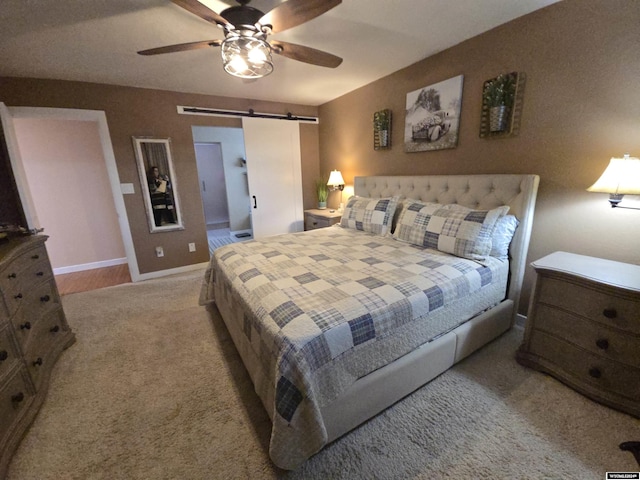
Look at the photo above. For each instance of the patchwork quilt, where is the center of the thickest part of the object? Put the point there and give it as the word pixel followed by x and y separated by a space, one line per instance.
pixel 312 312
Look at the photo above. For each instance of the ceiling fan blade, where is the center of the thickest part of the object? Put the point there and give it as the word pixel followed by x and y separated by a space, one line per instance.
pixel 197 8
pixel 181 47
pixel 295 12
pixel 305 54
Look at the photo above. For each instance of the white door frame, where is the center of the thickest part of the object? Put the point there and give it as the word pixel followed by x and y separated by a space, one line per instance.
pixel 100 118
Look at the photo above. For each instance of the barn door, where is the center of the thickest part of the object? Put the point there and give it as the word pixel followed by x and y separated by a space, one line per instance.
pixel 274 174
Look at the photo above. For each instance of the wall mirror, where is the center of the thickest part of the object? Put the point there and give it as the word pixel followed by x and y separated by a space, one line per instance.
pixel 159 183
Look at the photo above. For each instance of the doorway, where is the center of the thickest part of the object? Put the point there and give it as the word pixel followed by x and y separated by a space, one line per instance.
pixel 220 157
pixel 111 203
pixel 213 189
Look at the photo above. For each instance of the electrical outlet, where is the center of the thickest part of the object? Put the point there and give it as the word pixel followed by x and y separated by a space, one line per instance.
pixel 192 247
pixel 159 252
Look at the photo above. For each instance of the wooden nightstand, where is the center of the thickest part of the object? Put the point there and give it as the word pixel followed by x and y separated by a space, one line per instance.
pixel 316 218
pixel 583 327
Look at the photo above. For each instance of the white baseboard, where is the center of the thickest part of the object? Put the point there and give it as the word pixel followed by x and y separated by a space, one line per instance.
pixel 89 266
pixel 171 271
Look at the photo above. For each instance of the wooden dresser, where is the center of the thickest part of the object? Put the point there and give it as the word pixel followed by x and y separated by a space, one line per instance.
pixel 33 333
pixel 583 327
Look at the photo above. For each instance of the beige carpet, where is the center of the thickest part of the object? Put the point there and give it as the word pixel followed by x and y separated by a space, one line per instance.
pixel 153 389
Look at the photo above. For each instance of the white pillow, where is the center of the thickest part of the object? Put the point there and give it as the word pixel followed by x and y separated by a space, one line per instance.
pixel 502 235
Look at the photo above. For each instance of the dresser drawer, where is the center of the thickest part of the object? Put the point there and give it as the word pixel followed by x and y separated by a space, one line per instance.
pixel 8 356
pixel 15 398
pixel 586 368
pixel 600 306
pixel 22 273
pixel 44 344
pixel 37 303
pixel 314 222
pixel 592 336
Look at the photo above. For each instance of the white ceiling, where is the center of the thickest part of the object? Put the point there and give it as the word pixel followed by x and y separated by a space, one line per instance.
pixel 97 41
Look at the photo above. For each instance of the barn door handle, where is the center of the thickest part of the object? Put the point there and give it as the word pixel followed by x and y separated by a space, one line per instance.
pixel 255 202
pixel 204 188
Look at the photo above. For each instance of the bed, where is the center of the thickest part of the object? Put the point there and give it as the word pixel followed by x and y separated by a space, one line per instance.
pixel 336 324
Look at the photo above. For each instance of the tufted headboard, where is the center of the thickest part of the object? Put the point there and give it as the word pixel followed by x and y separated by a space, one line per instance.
pixel 482 192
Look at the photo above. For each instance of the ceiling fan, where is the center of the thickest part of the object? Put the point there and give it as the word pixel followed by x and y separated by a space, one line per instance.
pixel 245 50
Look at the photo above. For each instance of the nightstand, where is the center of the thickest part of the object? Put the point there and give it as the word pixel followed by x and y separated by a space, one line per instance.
pixel 583 327
pixel 316 218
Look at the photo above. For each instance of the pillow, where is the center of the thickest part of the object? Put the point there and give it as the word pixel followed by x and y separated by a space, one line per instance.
pixel 502 235
pixel 373 215
pixel 457 230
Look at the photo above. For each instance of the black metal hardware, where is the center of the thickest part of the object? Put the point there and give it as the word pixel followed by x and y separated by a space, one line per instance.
pixel 610 312
pixel 18 296
pixel 602 343
pixel 255 201
pixel 18 397
pixel 35 257
pixel 12 275
pixel 46 298
pixel 595 372
pixel 3 355
pixel 37 362
pixel 39 274
pixel 25 326
pixel 54 329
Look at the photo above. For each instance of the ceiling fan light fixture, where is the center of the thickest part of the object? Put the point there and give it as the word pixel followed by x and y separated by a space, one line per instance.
pixel 246 56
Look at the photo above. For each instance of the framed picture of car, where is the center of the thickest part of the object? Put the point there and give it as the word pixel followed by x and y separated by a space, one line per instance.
pixel 432 116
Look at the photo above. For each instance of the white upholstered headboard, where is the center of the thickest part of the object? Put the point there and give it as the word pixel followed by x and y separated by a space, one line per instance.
pixel 474 191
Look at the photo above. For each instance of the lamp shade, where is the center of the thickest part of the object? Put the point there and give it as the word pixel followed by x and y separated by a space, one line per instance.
pixel 621 177
pixel 335 179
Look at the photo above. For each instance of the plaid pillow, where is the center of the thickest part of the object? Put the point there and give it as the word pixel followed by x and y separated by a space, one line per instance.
pixel 373 215
pixel 460 231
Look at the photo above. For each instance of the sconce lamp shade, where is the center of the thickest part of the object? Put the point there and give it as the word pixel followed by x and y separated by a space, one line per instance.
pixel 621 177
pixel 336 180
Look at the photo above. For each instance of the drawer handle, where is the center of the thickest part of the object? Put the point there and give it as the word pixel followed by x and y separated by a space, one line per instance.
pixel 595 372
pixel 3 355
pixel 610 312
pixel 37 362
pixel 35 257
pixel 39 274
pixel 46 298
pixel 18 296
pixel 25 326
pixel 12 275
pixel 54 329
pixel 18 397
pixel 602 343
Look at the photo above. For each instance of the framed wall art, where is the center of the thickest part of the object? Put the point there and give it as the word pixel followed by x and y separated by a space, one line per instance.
pixel 382 129
pixel 502 99
pixel 432 118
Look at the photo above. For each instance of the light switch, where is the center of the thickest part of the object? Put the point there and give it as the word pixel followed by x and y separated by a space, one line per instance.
pixel 127 188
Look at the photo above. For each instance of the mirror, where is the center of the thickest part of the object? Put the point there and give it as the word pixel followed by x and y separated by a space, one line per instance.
pixel 158 182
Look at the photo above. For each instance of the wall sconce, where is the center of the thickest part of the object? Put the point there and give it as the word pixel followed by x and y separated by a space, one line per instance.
pixel 336 182
pixel 620 178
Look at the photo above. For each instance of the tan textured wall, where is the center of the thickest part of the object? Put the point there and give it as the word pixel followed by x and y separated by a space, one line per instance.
pixel 581 107
pixel 144 112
